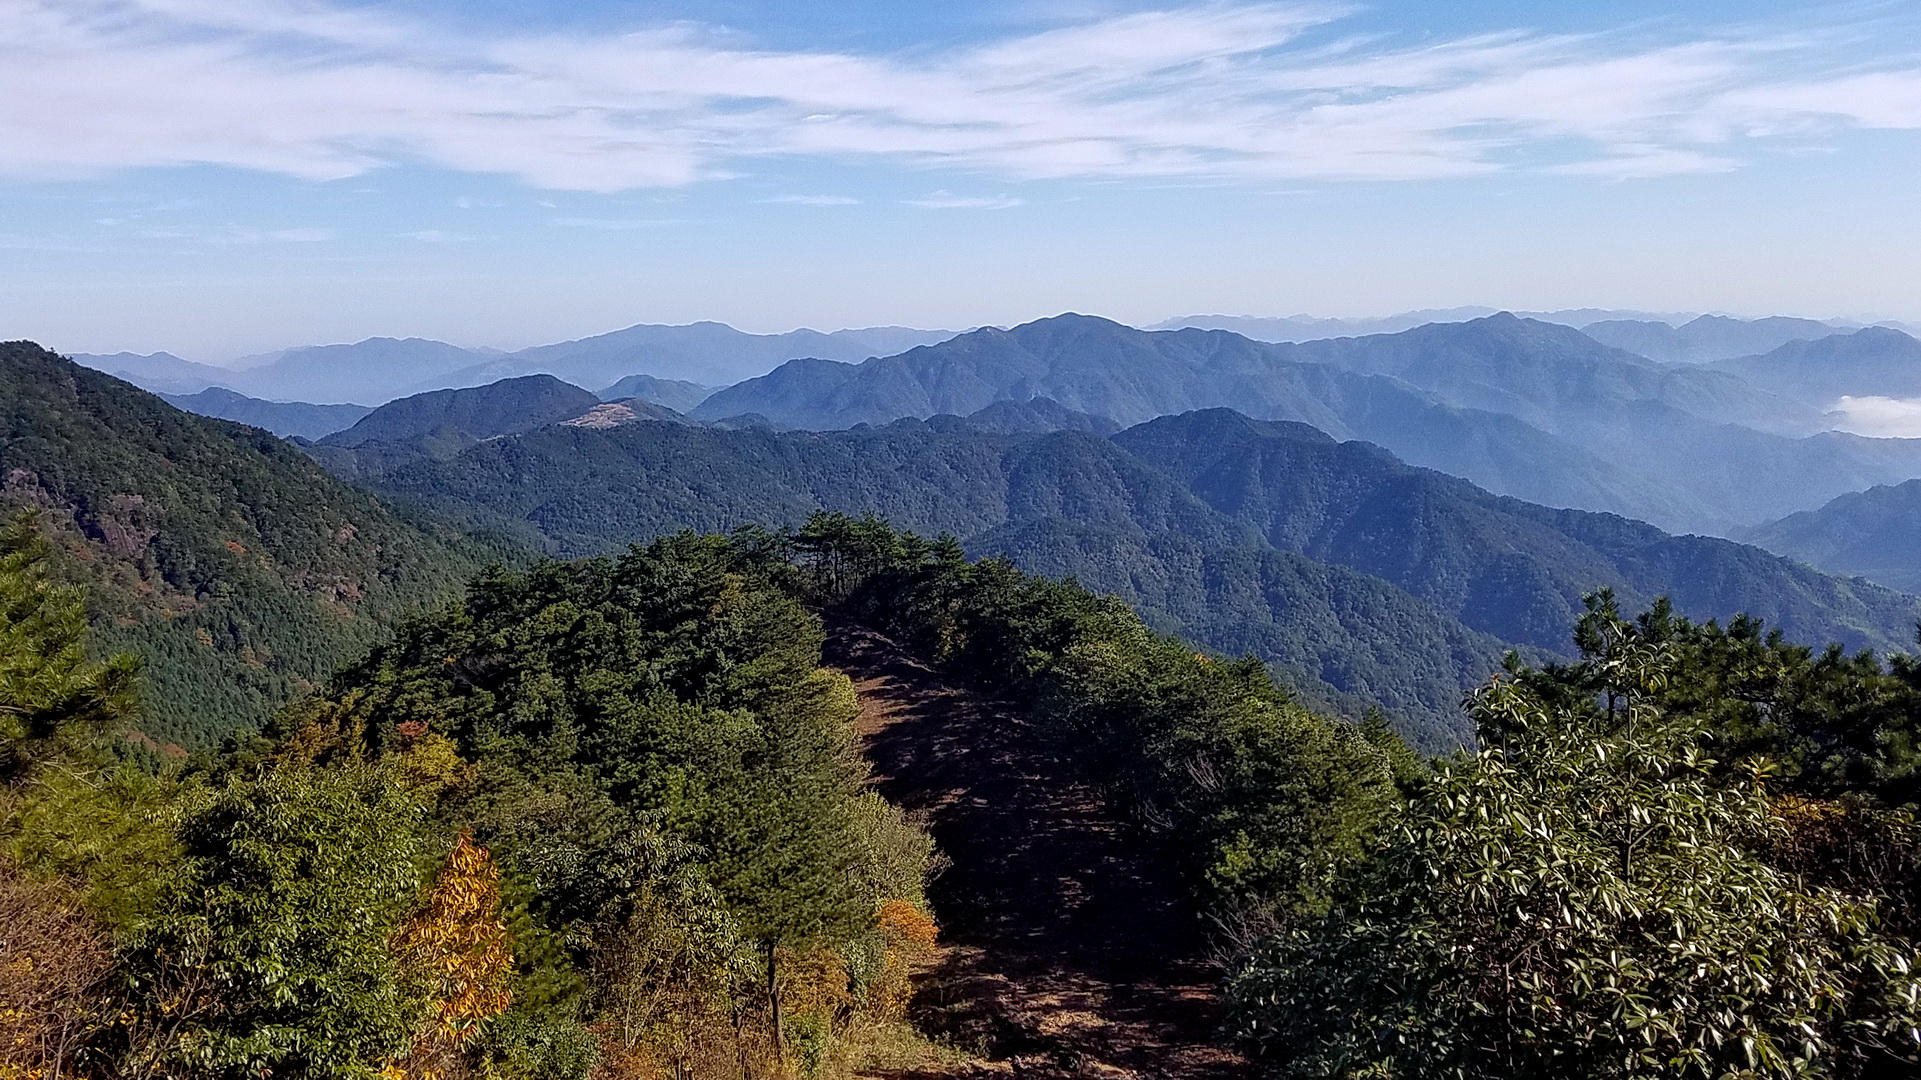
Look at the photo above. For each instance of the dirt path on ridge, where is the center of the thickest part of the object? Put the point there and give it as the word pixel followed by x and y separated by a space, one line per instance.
pixel 1068 948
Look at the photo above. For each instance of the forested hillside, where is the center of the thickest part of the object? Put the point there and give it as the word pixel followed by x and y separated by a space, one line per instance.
pixel 1874 533
pixel 1411 585
pixel 602 819
pixel 234 568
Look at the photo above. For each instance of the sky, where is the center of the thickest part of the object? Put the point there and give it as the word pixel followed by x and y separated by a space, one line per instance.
pixel 222 177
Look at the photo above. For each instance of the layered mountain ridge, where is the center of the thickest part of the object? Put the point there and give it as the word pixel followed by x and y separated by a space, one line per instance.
pixel 1525 408
pixel 1366 578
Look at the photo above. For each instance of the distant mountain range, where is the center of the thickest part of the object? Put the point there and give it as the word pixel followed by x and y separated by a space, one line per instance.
pixel 1707 338
pixel 280 417
pixel 1297 328
pixel 1368 580
pixel 378 370
pixel 160 373
pixel 1875 361
pixel 1525 408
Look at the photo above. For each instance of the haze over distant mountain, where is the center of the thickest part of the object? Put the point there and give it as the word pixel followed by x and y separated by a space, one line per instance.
pixel 708 353
pixel 1297 328
pixel 1536 371
pixel 280 417
pixel 677 394
pixel 158 372
pixel 1708 338
pixel 1500 565
pixel 1874 533
pixel 366 372
pixel 1530 409
pixel 1874 361
pixel 378 370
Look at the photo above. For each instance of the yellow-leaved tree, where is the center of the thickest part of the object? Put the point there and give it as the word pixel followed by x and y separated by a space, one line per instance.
pixel 456 950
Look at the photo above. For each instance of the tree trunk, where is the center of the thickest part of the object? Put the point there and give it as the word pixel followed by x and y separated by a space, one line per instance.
pixel 773 1007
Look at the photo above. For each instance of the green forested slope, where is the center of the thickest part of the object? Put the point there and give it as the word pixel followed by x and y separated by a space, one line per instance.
pixel 1065 503
pixel 236 569
pixel 1500 565
pixel 1366 579
pixel 1874 533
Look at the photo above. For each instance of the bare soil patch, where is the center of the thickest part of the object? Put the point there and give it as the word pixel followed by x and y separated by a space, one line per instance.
pixel 1069 948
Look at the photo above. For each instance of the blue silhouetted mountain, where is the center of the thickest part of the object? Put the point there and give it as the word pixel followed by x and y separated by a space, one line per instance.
pixel 1706 339
pixel 709 353
pixel 368 372
pixel 156 372
pixel 280 417
pixel 1872 362
pixel 1530 409
pixel 678 395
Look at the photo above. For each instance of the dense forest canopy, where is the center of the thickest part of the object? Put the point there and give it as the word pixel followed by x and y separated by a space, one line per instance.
pixel 609 818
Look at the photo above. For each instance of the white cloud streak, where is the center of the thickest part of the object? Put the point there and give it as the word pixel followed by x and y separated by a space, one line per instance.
pixel 1220 90
pixel 943 200
pixel 813 200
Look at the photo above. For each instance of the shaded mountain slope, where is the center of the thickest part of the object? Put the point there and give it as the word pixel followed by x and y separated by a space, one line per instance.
pixel 237 570
pixel 1069 943
pixel 280 417
pixel 1874 533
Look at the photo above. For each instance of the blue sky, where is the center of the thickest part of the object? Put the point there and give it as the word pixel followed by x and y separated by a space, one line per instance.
pixel 218 177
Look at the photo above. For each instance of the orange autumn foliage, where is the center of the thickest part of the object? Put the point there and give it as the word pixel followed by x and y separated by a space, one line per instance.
pixel 911 942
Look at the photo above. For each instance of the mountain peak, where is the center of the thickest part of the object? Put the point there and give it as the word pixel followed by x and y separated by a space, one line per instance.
pixel 507 407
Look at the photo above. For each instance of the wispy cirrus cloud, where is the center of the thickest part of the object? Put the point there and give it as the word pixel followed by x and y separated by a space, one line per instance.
pixel 942 200
pixel 813 200
pixel 1257 91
